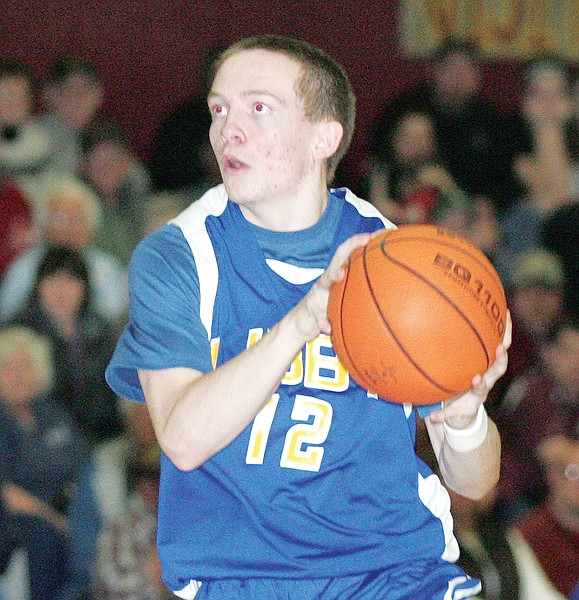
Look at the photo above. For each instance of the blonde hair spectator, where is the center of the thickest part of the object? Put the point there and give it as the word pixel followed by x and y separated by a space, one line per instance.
pixel 74 190
pixel 19 337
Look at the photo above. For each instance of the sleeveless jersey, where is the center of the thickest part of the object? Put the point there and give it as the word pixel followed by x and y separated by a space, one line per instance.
pixel 325 481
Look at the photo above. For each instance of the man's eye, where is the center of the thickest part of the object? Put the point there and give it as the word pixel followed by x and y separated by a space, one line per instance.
pixel 261 108
pixel 219 110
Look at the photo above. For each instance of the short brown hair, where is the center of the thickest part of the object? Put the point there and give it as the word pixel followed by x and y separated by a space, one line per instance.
pixel 323 86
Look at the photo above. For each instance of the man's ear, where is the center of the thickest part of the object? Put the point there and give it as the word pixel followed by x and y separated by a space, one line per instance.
pixel 330 135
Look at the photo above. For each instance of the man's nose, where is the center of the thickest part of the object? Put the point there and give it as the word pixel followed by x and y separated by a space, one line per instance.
pixel 233 130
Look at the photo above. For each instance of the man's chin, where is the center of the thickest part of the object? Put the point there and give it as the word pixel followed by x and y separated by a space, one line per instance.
pixel 239 194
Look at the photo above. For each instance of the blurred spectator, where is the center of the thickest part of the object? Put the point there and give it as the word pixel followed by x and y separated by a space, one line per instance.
pixel 409 182
pixel 122 182
pixel 546 541
pixel 127 566
pixel 539 403
pixel 18 231
pixel 542 155
pixel 82 342
pixel 42 459
pixel 160 208
pixel 470 132
pixel 26 147
pixel 73 219
pixel 181 156
pixel 72 95
pixel 535 296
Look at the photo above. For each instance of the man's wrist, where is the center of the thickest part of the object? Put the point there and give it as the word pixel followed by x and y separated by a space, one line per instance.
pixel 465 440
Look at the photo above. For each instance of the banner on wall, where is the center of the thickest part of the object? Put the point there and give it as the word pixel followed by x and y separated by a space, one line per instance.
pixel 504 29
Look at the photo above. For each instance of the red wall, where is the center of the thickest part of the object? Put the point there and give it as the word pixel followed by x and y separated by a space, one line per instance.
pixel 148 50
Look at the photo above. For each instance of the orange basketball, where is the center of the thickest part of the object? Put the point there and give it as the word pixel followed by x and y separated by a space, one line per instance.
pixel 419 312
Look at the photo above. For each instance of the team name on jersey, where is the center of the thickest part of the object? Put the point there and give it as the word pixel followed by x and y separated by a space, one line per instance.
pixel 316 367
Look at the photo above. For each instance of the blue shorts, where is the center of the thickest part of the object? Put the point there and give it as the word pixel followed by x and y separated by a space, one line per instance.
pixel 427 581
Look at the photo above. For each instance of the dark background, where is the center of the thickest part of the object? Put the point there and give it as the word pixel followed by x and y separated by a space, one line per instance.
pixel 148 51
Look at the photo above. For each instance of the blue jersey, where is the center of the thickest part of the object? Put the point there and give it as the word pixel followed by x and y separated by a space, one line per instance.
pixel 325 481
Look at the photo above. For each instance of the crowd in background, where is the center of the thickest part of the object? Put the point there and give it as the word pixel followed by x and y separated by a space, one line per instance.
pixel 79 467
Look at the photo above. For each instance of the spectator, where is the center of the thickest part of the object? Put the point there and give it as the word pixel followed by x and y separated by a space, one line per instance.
pixel 82 342
pixel 539 403
pixel 536 299
pixel 469 130
pixel 72 95
pixel 26 148
pixel 42 458
pixel 542 159
pixel 410 183
pixel 122 181
pixel 546 541
pixel 559 235
pixel 73 219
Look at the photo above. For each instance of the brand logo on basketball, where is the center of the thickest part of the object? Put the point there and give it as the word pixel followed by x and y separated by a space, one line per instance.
pixel 464 277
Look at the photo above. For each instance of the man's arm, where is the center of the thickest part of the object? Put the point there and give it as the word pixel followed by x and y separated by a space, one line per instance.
pixel 465 441
pixel 196 415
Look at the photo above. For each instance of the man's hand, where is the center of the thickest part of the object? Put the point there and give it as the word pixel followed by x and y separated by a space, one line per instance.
pixel 311 314
pixel 460 412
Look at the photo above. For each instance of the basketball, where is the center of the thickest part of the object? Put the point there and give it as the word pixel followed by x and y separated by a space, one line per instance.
pixel 419 312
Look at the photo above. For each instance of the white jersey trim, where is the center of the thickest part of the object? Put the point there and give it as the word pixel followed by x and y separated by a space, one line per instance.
pixel 435 497
pixel 367 209
pixel 192 223
pixel 189 591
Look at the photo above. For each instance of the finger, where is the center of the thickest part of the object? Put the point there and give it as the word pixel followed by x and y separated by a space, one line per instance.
pixel 508 337
pixel 494 372
pixel 335 270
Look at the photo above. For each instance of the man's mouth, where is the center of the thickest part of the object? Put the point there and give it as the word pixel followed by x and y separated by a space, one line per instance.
pixel 233 165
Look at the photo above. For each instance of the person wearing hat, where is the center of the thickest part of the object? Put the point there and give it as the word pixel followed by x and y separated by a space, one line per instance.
pixel 535 294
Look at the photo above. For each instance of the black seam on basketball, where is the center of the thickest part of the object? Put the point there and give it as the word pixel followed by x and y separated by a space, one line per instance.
pixel 397 341
pixel 438 291
pixel 492 274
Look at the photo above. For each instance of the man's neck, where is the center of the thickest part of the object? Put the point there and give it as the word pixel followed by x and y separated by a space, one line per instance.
pixel 301 211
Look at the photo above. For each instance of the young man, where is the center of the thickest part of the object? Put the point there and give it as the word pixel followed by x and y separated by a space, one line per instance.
pixel 280 477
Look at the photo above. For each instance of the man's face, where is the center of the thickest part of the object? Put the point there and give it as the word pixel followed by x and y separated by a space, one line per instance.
pixel 261 137
pixel 457 79
pixel 15 100
pixel 77 99
pixel 67 223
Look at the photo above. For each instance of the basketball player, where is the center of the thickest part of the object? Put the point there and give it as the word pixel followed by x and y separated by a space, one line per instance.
pixel 281 478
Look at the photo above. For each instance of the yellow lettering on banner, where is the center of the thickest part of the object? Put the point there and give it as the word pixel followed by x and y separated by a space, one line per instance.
pixel 324 371
pixel 503 28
